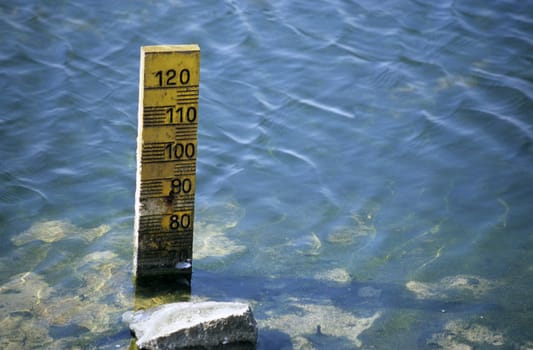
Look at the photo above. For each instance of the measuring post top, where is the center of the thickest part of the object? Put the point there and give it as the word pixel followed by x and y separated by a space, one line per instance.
pixel 171 48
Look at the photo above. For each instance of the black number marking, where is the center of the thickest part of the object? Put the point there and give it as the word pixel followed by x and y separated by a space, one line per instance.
pixel 170 112
pixel 190 115
pixel 159 74
pixel 185 221
pixel 185 75
pixel 179 186
pixel 176 222
pixel 170 75
pixel 178 150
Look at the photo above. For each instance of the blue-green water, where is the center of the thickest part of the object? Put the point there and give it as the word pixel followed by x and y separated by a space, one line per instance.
pixel 365 167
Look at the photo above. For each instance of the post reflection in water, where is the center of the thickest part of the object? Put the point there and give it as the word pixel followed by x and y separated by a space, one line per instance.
pixel 155 291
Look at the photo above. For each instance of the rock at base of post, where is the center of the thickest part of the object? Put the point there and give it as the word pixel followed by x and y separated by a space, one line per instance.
pixel 202 325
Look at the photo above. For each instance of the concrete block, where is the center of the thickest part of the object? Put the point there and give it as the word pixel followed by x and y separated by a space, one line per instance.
pixel 199 325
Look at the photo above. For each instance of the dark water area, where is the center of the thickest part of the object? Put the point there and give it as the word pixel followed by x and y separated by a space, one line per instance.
pixel 364 173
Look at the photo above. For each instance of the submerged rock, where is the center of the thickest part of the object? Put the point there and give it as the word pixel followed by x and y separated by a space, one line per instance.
pixel 308 323
pixel 458 334
pixel 21 298
pixel 451 286
pixel 211 240
pixel 86 302
pixel 22 332
pixel 55 230
pixel 187 325
pixel 336 275
pixel 23 293
pixel 99 297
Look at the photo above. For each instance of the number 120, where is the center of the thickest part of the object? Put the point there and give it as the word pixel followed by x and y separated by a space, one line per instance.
pixel 168 78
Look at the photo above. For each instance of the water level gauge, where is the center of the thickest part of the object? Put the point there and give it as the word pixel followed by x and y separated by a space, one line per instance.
pixel 166 159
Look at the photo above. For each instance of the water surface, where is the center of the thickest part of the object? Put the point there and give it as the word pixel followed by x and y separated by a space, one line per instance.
pixel 364 169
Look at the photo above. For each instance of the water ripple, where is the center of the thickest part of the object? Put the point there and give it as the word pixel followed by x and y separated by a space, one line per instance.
pixel 384 141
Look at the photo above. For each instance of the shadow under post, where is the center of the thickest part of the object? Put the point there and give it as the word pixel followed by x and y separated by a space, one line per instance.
pixel 151 291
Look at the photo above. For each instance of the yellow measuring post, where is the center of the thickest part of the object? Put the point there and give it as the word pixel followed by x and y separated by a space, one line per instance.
pixel 166 159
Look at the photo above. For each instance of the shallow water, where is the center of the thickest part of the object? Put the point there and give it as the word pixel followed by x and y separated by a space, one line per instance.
pixel 364 170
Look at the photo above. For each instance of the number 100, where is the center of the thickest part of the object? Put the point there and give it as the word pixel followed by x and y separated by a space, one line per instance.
pixel 178 150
